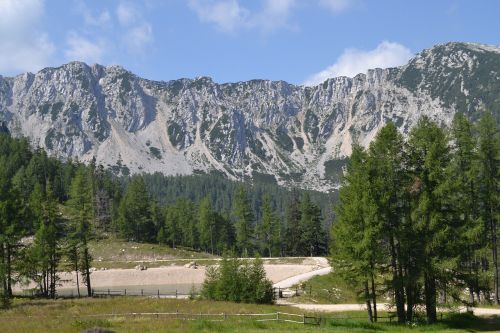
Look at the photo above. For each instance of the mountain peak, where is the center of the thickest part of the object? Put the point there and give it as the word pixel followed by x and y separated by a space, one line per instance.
pixel 258 129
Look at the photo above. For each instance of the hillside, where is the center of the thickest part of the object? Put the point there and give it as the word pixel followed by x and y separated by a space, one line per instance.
pixel 273 130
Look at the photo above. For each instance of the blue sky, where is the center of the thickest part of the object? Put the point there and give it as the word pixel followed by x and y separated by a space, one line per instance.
pixel 299 41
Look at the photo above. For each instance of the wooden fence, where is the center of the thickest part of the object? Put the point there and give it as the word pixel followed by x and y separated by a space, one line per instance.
pixel 261 317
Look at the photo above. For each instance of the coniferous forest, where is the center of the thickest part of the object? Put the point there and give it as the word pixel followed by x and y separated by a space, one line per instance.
pixel 417 217
pixel 51 209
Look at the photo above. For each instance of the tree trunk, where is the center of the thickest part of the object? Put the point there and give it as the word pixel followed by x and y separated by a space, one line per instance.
pixel 396 282
pixel 374 298
pixel 430 298
pixel 87 271
pixel 409 301
pixel 368 304
pixel 495 260
pixel 2 268
pixel 9 270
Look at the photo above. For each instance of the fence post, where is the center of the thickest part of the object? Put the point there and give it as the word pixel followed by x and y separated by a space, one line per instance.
pixel 225 317
pixel 125 291
pixel 296 291
pixel 277 316
pixel 310 290
pixel 175 293
pixel 158 293
pixel 142 292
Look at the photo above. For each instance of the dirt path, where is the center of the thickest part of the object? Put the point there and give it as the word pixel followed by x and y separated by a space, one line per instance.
pixel 287 283
pixel 382 306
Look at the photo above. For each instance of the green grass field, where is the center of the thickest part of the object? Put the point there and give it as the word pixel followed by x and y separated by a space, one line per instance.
pixel 116 253
pixel 79 314
pixel 326 289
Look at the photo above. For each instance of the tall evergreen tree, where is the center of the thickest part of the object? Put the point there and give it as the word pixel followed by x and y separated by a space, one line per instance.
pixel 269 229
pixel 243 213
pixel 429 154
pixel 207 226
pixel 489 148
pixel 462 199
pixel 135 212
pixel 312 236
pixel 82 206
pixel 293 231
pixel 353 245
pixel 387 191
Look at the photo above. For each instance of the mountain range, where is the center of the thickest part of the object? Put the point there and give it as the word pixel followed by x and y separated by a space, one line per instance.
pixel 261 130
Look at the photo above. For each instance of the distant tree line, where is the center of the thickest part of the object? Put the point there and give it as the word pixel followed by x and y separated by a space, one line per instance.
pixel 418 217
pixel 50 210
pixel 199 226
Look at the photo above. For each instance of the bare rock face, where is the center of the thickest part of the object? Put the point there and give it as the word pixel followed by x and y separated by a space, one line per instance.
pixel 267 130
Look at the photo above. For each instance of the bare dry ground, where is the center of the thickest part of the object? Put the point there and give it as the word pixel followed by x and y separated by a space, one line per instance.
pixel 180 277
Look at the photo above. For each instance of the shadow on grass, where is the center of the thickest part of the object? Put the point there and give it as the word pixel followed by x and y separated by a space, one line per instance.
pixel 471 323
pixel 464 321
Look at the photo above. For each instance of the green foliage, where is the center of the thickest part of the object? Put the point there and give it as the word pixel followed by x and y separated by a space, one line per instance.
pixel 135 214
pixel 155 152
pixel 244 222
pixel 176 134
pixel 421 213
pixel 238 281
pixel 200 212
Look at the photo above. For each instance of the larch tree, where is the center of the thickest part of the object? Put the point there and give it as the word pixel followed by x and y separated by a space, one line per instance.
pixel 488 151
pixel 82 207
pixel 243 214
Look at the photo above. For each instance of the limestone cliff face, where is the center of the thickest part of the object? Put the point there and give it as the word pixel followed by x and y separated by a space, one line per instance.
pixel 259 129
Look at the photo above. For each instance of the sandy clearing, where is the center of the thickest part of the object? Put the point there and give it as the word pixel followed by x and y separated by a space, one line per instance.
pixel 173 275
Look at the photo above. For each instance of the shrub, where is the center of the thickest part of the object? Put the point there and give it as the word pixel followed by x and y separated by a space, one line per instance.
pixel 238 281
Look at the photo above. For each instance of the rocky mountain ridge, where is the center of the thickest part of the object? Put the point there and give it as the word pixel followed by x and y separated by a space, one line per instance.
pixel 259 129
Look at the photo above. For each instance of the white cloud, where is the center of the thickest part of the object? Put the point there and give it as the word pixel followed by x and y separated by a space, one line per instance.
pixel 126 14
pixel 83 49
pixel 229 16
pixel 23 47
pixel 138 37
pixel 275 14
pixel 93 19
pixel 336 6
pixel 354 61
pixel 137 32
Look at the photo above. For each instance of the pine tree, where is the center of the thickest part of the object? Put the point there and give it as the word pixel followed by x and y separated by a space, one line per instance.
pixel 353 246
pixel 82 206
pixel 462 198
pixel 488 151
pixel 135 212
pixel 269 229
pixel 244 221
pixel 207 225
pixel 429 154
pixel 387 209
pixel 293 232
pixel 312 237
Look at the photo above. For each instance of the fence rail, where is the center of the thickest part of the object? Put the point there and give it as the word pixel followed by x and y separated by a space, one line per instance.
pixel 261 317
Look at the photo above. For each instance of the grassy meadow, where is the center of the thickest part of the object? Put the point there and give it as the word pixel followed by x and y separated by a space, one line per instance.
pixel 79 314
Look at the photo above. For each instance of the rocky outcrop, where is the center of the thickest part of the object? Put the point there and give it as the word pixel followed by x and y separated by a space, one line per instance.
pixel 270 130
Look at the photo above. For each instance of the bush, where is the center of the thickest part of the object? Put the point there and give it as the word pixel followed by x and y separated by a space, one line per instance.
pixel 238 281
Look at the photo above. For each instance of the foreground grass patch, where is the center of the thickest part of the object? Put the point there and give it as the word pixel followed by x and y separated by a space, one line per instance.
pixel 116 314
pixel 326 289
